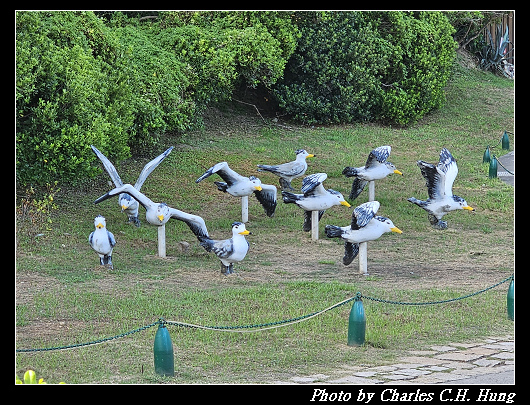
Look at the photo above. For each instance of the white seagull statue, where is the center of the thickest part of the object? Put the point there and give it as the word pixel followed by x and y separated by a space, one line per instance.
pixel 365 226
pixel 102 241
pixel 289 171
pixel 229 251
pixel 376 168
pixel 439 181
pixel 315 198
pixel 130 205
pixel 240 186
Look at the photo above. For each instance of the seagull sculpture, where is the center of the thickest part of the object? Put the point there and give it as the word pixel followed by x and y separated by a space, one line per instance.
pixel 315 198
pixel 130 205
pixel 289 171
pixel 376 168
pixel 439 181
pixel 159 213
pixel 102 241
pixel 365 226
pixel 240 186
pixel 229 251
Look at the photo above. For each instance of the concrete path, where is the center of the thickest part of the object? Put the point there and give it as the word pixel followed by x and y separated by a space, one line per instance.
pixel 490 361
pixel 508 161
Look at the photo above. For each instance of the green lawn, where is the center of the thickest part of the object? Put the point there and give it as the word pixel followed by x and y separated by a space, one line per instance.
pixel 64 297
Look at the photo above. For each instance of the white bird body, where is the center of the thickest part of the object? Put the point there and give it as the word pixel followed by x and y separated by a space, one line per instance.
pixel 229 251
pixel 291 170
pixel 102 241
pixel 241 186
pixel 128 204
pixel 315 197
pixel 376 168
pixel 365 226
pixel 159 213
pixel 439 180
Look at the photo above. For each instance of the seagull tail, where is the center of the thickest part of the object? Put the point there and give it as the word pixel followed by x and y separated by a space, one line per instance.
pixel 349 171
pixel 333 231
pixel 419 203
pixel 289 198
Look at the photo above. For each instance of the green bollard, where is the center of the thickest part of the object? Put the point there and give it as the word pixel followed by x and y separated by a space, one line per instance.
pixel 505 141
pixel 493 168
pixel 357 323
pixel 510 300
pixel 487 157
pixel 163 351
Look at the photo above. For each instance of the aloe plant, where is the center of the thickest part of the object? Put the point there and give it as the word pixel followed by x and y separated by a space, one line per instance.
pixel 494 56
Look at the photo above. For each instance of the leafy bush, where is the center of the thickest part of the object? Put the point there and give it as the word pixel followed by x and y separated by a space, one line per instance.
pixel 71 91
pixel 355 66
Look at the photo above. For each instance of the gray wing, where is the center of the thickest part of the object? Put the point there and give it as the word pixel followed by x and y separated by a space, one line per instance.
pixel 267 198
pixel 378 156
pixel 311 183
pixel 363 214
pixel 129 189
pixel 221 248
pixel 433 179
pixel 194 222
pixel 447 165
pixel 285 169
pixel 222 169
pixel 149 167
pixel 109 167
pixel 357 187
pixel 112 241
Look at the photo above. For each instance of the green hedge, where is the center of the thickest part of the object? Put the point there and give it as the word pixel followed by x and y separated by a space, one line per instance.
pixel 365 66
pixel 118 82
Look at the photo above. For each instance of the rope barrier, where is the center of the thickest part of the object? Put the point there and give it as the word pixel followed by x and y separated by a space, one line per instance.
pixel 262 326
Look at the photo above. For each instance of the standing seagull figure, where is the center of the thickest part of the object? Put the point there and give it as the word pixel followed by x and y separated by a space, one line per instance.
pixel 376 168
pixel 315 198
pixel 229 251
pixel 289 171
pixel 130 205
pixel 240 186
pixel 365 226
pixel 439 181
pixel 102 241
pixel 159 213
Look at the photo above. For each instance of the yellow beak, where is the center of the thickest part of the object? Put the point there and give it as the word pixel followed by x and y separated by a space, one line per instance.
pixel 99 226
pixel 345 203
pixel 398 172
pixel 467 207
pixel 310 155
pixel 160 217
pixel 396 229
pixel 258 188
pixel 245 232
pixel 123 207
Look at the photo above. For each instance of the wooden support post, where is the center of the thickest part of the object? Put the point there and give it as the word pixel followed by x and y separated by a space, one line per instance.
pixel 314 225
pixel 363 247
pixel 162 240
pixel 244 209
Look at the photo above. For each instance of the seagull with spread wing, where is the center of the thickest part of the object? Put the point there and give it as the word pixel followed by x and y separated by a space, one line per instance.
pixel 240 186
pixel 365 226
pixel 315 198
pixel 439 181
pixel 159 213
pixel 376 168
pixel 128 204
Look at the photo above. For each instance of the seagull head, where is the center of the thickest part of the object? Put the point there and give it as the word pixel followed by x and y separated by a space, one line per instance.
pixel 303 153
pixel 255 183
pixel 125 201
pixel 238 228
pixel 162 213
pixel 340 198
pixel 388 224
pixel 461 204
pixel 392 168
pixel 99 222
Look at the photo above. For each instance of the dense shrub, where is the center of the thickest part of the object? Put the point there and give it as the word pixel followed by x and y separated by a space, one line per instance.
pixel 71 91
pixel 354 66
